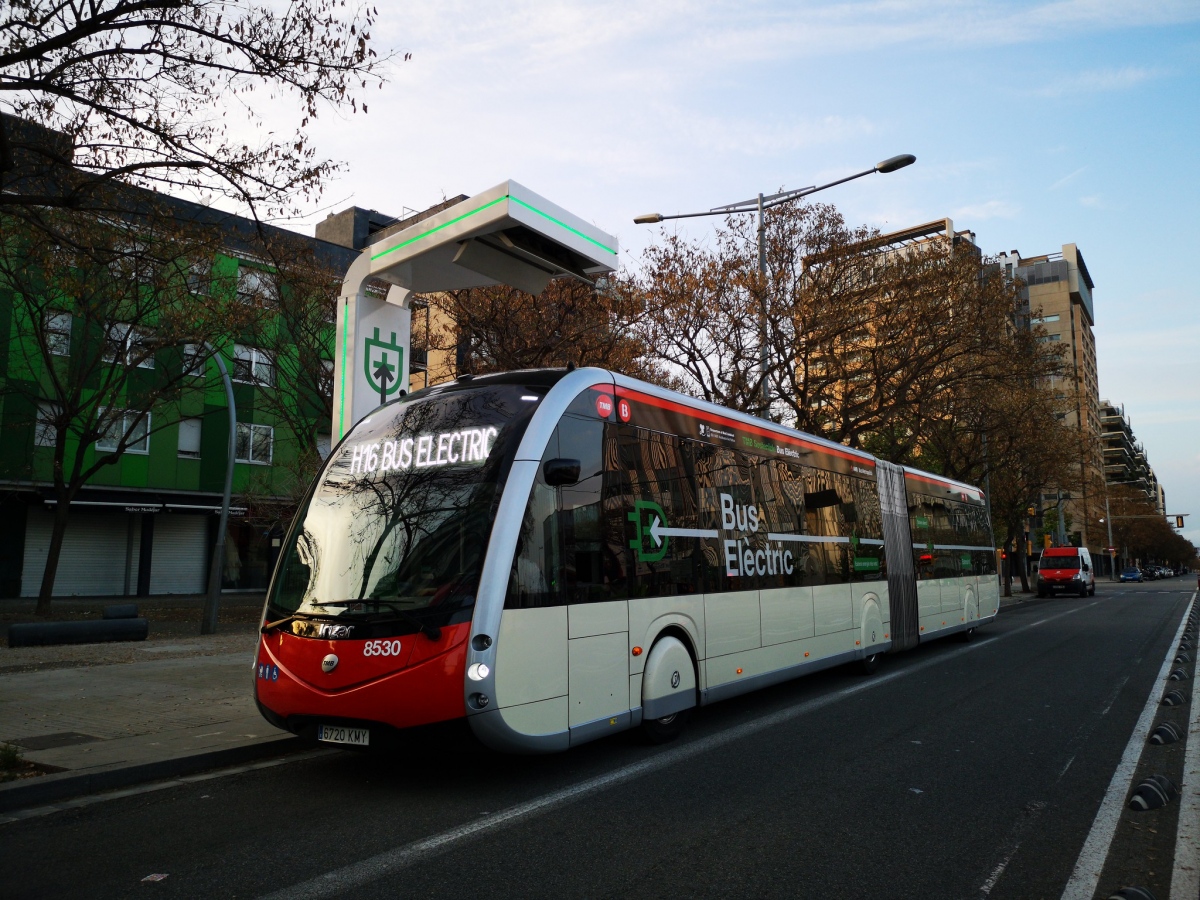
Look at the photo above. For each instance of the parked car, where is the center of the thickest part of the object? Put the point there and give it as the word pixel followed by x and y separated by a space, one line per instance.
pixel 1133 573
pixel 1067 569
pixel 1148 574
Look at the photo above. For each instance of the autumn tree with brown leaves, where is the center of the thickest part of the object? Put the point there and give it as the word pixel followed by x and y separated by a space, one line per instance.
pixel 500 328
pixel 909 352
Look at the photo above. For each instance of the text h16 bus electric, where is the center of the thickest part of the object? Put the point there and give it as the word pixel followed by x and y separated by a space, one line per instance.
pixel 556 556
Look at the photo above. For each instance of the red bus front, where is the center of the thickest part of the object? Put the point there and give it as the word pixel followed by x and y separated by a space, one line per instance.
pixel 368 614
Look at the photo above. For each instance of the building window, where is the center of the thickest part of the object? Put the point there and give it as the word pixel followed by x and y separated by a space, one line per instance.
pixel 254 443
pixel 1050 337
pixel 194 359
pixel 255 287
pixel 189 438
pixel 1045 319
pixel 44 432
pixel 128 424
pixel 253 366
pixel 198 275
pixel 127 344
pixel 58 333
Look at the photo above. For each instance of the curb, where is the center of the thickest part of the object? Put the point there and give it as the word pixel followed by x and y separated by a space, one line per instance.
pixel 46 789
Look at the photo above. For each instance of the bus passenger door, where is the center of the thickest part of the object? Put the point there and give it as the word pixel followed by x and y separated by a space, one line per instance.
pixel 598 625
pixel 929 592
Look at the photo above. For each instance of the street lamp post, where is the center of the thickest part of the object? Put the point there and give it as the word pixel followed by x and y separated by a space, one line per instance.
pixel 760 205
pixel 208 622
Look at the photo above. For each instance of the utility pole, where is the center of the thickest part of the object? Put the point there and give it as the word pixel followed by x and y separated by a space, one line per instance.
pixel 1112 553
pixel 764 360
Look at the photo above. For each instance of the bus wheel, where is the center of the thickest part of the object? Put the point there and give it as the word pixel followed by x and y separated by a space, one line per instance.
pixel 666 729
pixel 870 664
pixel 967 636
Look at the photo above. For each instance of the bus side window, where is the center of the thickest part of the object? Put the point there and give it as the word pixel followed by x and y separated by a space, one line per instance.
pixel 587 564
pixel 534 579
pixel 656 473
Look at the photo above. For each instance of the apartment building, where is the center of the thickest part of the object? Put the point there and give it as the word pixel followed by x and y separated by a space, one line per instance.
pixel 1058 289
pixel 1124 458
pixel 147 524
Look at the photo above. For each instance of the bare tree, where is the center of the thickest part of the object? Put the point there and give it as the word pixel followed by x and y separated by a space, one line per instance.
pixel 157 93
pixel 112 329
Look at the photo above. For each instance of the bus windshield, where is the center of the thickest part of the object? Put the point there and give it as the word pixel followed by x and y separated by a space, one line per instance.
pixel 401 517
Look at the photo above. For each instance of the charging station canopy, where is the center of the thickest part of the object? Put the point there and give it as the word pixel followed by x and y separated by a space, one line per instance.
pixel 504 235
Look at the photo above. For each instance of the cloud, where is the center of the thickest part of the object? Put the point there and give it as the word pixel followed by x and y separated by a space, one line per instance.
pixel 1100 81
pixel 992 209
pixel 1067 179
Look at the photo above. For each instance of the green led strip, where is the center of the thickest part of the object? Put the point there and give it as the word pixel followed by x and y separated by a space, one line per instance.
pixel 472 212
pixel 574 231
pixel 438 228
pixel 342 401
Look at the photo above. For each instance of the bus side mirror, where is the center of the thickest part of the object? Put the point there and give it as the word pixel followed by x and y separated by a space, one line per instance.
pixel 561 471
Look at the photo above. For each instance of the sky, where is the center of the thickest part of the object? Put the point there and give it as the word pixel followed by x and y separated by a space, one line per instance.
pixel 1034 125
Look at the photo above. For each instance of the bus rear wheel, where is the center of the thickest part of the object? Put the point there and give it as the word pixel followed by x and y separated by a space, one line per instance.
pixel 870 663
pixel 666 729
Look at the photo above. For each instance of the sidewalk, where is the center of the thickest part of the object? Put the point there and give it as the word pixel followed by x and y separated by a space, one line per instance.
pixel 104 716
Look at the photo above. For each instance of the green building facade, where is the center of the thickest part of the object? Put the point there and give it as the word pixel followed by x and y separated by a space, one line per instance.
pixel 147 524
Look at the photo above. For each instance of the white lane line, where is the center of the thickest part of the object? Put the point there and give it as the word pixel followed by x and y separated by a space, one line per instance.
pixel 20 815
pixel 398 858
pixel 1086 875
pixel 1185 878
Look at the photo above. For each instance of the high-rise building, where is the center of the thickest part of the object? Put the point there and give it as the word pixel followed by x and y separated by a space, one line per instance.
pixel 1059 292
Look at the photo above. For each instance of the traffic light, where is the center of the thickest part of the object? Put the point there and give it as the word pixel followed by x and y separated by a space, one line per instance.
pixel 1046 541
pixel 1179 521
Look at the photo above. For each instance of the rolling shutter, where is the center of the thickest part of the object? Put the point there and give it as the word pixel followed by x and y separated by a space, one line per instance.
pixel 180 560
pixel 93 557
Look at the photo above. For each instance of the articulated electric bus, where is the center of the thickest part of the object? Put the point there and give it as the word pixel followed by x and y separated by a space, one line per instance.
pixel 559 555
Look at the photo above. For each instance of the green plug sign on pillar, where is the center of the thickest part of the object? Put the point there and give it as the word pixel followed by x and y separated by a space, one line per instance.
pixel 384 365
pixel 505 235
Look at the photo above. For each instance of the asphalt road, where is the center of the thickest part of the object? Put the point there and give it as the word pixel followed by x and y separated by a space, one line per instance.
pixel 957 770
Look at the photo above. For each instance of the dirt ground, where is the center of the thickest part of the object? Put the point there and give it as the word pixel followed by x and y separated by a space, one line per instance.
pixel 174 623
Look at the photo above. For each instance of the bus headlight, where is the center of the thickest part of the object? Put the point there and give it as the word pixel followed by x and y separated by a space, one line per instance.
pixel 478 671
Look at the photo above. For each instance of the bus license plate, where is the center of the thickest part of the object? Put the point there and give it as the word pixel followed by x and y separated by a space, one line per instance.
pixel 339 734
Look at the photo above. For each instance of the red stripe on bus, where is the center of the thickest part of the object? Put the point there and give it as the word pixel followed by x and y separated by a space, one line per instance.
pixel 734 423
pixel 950 484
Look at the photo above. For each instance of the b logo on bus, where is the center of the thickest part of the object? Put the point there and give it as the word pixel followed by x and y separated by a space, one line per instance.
pixel 624 410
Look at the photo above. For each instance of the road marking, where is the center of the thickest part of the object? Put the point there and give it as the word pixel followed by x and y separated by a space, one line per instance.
pixel 38 811
pixel 391 861
pixel 1185 879
pixel 1086 875
pixel 1032 811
